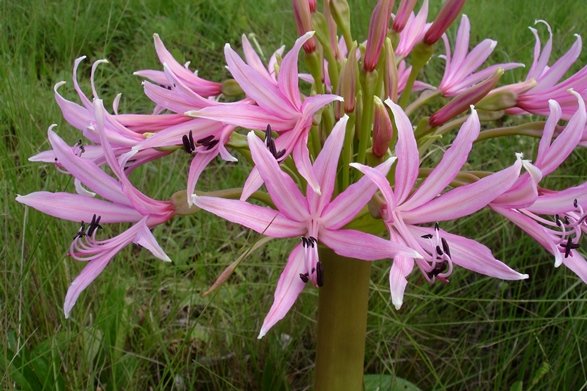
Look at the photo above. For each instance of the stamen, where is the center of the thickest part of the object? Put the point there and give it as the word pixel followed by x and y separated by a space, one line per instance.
pixel 81 232
pixel 427 236
pixel 439 251
pixel 94 225
pixel 186 144
pixel 445 246
pixel 304 277
pixel 270 144
pixel 319 274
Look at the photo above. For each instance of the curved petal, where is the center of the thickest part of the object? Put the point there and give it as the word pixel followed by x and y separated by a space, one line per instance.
pixel 401 268
pixel 360 245
pixel 448 168
pixel 348 203
pixel 288 72
pixel 469 254
pixel 289 287
pixel 197 166
pixel 406 150
pixel 75 207
pixel 282 189
pixel 465 200
pixel 261 219
pixel 326 164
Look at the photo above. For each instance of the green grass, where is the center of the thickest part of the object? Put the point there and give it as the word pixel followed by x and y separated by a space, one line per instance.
pixel 143 324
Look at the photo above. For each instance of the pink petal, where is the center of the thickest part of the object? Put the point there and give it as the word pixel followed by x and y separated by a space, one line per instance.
pixel 577 263
pixel 86 171
pixel 199 85
pixel 257 87
pixel 85 278
pixel 288 72
pixel 75 207
pixel 197 166
pixel 245 115
pixel 469 254
pixel 561 201
pixel 406 150
pixel 465 200
pixel 282 189
pixel 380 180
pixel 326 164
pixel 448 168
pixel 535 230
pixel 289 287
pixel 263 220
pixel 360 245
pixel 348 203
pixel 401 268
pixel 550 77
pixel 145 239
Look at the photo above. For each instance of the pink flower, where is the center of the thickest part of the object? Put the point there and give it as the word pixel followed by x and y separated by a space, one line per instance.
pixel 120 202
pixel 407 207
pixel 191 79
pixel 525 203
pixel 546 80
pixel 278 104
pixel 460 69
pixel 316 218
pixel 414 31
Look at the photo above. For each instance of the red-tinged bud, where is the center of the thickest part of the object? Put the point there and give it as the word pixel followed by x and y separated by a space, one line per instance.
pixel 463 101
pixel 403 13
pixel 303 19
pixel 347 84
pixel 333 36
pixel 377 32
pixel 390 74
pixel 446 16
pixel 382 128
pixel 313 5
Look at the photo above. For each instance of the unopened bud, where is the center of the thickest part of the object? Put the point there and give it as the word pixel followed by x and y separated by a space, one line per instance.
pixel 231 88
pixel 377 32
pixel 465 99
pixel 498 100
pixel 347 84
pixel 341 13
pixel 390 73
pixel 313 5
pixel 403 13
pixel 382 128
pixel 446 16
pixel 303 19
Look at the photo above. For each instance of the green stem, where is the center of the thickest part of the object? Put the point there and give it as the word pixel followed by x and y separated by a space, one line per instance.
pixel 423 98
pixel 347 153
pixel 370 83
pixel 342 323
pixel 420 56
pixel 533 129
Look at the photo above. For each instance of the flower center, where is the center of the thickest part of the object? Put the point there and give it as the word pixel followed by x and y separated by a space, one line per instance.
pixel 439 261
pixel 270 143
pixel 314 270
pixel 206 143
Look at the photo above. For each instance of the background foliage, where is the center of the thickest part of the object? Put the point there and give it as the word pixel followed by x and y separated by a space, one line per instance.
pixel 145 325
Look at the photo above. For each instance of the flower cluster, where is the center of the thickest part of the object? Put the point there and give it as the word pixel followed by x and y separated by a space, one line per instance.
pixel 339 161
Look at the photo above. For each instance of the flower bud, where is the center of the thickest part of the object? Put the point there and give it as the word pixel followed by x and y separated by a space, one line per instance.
pixel 446 16
pixel 390 73
pixel 465 99
pixel 498 100
pixel 231 88
pixel 403 13
pixel 341 14
pixel 347 84
pixel 382 128
pixel 377 32
pixel 303 19
pixel 313 5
